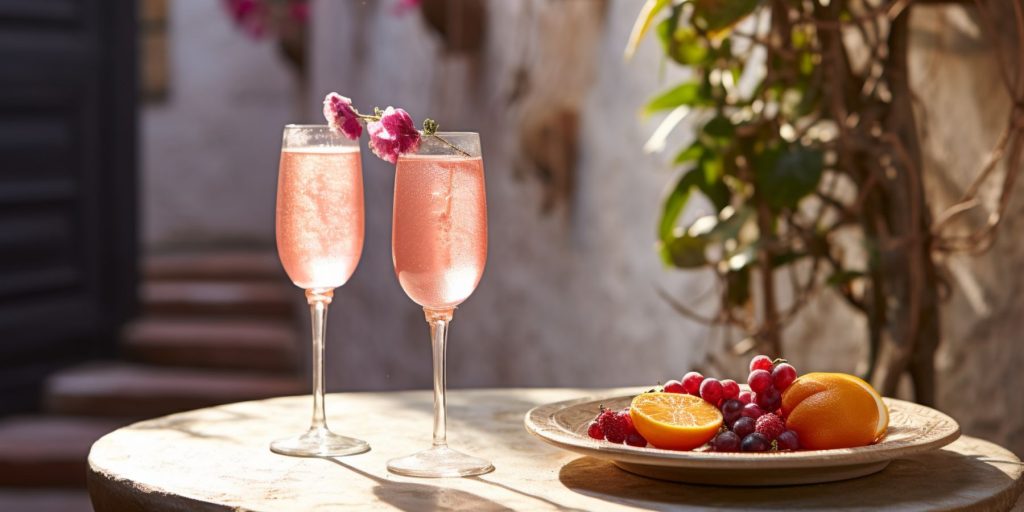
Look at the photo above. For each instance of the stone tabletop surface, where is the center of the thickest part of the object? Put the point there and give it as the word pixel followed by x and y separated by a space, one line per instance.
pixel 217 459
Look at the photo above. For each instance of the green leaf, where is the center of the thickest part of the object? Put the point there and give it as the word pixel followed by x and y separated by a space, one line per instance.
pixel 690 154
pixel 687 251
pixel 712 186
pixel 787 174
pixel 843 277
pixel 643 22
pixel 718 15
pixel 688 94
pixel 681 42
pixel 675 203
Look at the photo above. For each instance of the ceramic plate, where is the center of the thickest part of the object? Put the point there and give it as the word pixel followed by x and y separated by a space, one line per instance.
pixel 913 429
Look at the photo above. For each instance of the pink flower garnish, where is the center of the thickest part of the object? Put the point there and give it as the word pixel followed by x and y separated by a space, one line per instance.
pixel 393 135
pixel 341 117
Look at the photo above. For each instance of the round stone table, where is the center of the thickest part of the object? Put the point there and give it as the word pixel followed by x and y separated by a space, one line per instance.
pixel 217 459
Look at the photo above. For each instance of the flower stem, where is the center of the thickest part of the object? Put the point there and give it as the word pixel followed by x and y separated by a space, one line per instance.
pixel 449 144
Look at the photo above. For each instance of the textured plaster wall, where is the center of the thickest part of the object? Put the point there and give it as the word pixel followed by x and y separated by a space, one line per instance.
pixel 209 151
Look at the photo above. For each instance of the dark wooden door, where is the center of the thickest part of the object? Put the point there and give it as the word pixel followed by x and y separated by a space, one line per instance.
pixel 67 185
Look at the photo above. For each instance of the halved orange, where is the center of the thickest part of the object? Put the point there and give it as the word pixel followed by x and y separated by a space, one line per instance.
pixel 674 421
pixel 834 410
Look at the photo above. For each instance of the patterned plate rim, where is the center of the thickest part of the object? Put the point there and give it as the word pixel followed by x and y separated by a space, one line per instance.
pixel 939 430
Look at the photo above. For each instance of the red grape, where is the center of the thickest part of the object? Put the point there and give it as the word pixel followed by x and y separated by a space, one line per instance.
pixel 731 409
pixel 755 443
pixel 752 411
pixel 746 397
pixel 788 440
pixel 730 389
pixel 744 426
pixel 770 399
pixel 691 382
pixel 594 430
pixel 711 391
pixel 759 380
pixel 761 362
pixel 726 442
pixel 674 386
pixel 783 375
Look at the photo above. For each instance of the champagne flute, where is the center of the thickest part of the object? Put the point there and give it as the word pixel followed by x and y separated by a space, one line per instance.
pixel 319 239
pixel 439 247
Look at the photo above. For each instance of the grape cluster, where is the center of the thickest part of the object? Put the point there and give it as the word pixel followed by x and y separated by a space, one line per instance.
pixel 752 420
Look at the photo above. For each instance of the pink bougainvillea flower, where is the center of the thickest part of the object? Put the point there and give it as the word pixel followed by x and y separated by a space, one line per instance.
pixel 299 10
pixel 341 117
pixel 251 15
pixel 393 135
pixel 406 5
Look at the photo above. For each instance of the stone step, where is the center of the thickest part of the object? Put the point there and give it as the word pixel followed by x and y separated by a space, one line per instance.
pixel 219 298
pixel 45 500
pixel 47 451
pixel 246 344
pixel 142 391
pixel 214 265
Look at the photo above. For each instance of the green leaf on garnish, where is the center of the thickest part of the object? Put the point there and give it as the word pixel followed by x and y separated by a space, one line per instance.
pixel 429 126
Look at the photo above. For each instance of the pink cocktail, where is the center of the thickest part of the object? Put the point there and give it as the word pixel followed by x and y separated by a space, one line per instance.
pixel 439 247
pixel 319 239
pixel 439 239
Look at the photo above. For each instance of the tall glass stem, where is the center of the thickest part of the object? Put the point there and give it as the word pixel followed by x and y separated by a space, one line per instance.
pixel 439 320
pixel 318 300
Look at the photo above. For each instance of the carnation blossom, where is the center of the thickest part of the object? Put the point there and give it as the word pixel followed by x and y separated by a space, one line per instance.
pixel 341 117
pixel 394 134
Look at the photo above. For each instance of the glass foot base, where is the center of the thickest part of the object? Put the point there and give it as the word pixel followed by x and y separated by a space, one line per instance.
pixel 319 442
pixel 439 462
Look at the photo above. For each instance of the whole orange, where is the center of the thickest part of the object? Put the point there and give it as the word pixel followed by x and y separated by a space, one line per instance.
pixel 834 410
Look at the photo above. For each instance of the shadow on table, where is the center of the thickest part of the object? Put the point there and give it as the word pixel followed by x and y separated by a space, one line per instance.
pixel 943 478
pixel 418 497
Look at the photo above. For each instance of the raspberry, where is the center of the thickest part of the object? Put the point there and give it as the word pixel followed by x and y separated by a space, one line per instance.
pixel 691 382
pixel 594 430
pixel 761 362
pixel 674 386
pixel 635 439
pixel 783 375
pixel 624 415
pixel 730 389
pixel 711 391
pixel 614 425
pixel 770 426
